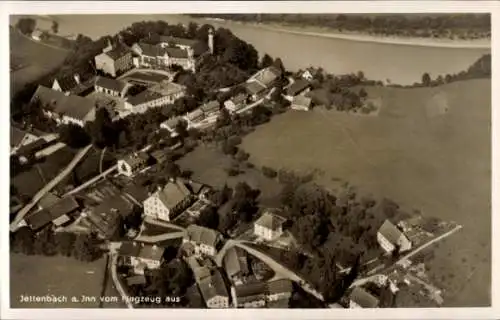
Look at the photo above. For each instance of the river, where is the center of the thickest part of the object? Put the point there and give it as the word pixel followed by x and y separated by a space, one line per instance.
pixel 403 64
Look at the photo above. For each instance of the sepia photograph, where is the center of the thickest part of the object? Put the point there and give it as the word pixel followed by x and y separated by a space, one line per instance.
pixel 228 159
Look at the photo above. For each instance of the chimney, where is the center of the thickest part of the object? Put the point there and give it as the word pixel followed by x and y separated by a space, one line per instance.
pixel 211 41
pixel 77 78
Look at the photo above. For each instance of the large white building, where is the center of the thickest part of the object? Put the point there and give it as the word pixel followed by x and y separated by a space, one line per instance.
pixel 269 226
pixel 391 238
pixel 159 95
pixel 161 56
pixel 204 241
pixel 114 60
pixel 167 202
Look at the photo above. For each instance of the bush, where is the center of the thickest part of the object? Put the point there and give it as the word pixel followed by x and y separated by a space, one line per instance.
pixel 269 172
pixel 241 156
pixel 232 172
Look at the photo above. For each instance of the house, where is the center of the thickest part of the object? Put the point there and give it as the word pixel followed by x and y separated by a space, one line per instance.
pixel 141 255
pixel 391 238
pixel 66 84
pixel 204 240
pixel 169 201
pixel 255 89
pixel 200 272
pixel 114 60
pixel 269 226
pixel 105 218
pixel 57 214
pixel 64 109
pixel 360 298
pixel 300 86
pixel 249 295
pixel 214 291
pixel 20 138
pixel 182 43
pixel 37 35
pixel 112 87
pixel 156 96
pixel 197 208
pixel 133 164
pixel 266 77
pixel 170 125
pixel 301 103
pixel 279 290
pixel 236 265
pixel 194 117
pixel 211 109
pixel 236 103
pixel 161 56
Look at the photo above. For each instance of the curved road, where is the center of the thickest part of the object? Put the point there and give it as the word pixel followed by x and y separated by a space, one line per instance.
pixel 160 237
pixel 273 264
pixel 117 282
pixel 67 170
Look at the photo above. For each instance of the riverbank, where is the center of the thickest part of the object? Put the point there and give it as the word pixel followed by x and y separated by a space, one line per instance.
pixel 363 37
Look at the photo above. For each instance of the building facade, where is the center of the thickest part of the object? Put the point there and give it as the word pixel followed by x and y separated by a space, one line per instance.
pixel 169 201
pixel 114 61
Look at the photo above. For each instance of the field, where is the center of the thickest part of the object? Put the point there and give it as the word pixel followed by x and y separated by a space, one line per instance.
pixel 37 59
pixel 428 149
pixel 59 276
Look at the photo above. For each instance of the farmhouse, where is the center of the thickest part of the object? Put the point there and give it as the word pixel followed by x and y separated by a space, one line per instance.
pixel 159 95
pixel 182 43
pixel 391 238
pixel 194 117
pixel 300 86
pixel 266 77
pixel 214 291
pixel 141 256
pixel 249 295
pixel 269 226
pixel 66 84
pixel 360 298
pixel 236 103
pixel 170 125
pixel 301 103
pixel 19 138
pixel 114 61
pixel 104 218
pixel 204 240
pixel 64 109
pixel 57 213
pixel 161 56
pixel 197 208
pixel 236 265
pixel 211 109
pixel 168 201
pixel 255 90
pixel 132 164
pixel 112 87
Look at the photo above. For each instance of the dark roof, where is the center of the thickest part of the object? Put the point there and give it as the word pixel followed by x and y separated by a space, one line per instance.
pixel 16 136
pixel 136 160
pixel 176 53
pixel 390 232
pixel 298 86
pixel 147 77
pixel 111 84
pixel 173 193
pixel 48 200
pixel 139 193
pixel 211 106
pixel 151 50
pixel 172 122
pixel 33 147
pixel 270 221
pixel 280 286
pixel 250 289
pixel 199 234
pixel 141 250
pixel 38 219
pixel 363 298
pixel 195 114
pixel 254 87
pixel 235 261
pixel 301 101
pixel 213 286
pixel 67 83
pixel 178 41
pixel 72 106
pixel 117 52
pixel 143 97
pixel 118 203
pixel 136 279
pixel 240 98
pixel 267 75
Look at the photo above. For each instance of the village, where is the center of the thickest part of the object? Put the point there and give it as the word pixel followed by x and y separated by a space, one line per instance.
pixel 142 227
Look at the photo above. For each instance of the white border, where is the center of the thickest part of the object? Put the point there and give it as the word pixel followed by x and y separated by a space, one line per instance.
pixel 103 7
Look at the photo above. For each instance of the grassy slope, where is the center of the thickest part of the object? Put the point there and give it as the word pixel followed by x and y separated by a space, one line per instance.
pixel 440 164
pixel 39 59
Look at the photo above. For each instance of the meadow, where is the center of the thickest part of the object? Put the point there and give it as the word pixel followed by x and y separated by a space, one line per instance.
pixel 428 149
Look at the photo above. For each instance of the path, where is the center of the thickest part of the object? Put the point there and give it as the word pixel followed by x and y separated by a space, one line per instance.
pixel 273 264
pixel 91 181
pixel 117 282
pixel 160 237
pixel 67 170
pixel 163 224
pixel 250 106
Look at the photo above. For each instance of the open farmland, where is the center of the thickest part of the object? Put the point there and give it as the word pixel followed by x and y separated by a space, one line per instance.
pixel 428 149
pixel 35 59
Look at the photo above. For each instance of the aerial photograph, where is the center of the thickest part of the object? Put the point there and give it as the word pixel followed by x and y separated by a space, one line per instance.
pixel 250 160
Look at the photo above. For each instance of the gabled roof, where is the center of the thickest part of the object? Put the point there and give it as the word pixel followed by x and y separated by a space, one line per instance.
pixel 235 261
pixel 254 87
pixel 173 193
pixel 213 286
pixel 117 52
pixel 172 122
pixel 136 160
pixel 143 97
pixel 151 50
pixel 116 204
pixel 267 75
pixel 390 232
pixel 298 86
pixel 176 52
pixel 67 83
pixel 279 286
pixel 141 250
pixel 72 106
pixel 199 234
pixel 251 289
pixel 111 84
pixel 178 41
pixel 270 221
pixel 363 298
pixel 211 106
pixel 38 219
pixel 195 114
pixel 240 98
pixel 302 101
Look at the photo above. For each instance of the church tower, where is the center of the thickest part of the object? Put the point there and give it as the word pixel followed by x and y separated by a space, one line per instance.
pixel 211 41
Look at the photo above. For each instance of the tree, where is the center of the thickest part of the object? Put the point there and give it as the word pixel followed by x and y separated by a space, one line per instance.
pixel 73 135
pixel 23 241
pixel 426 79
pixel 102 130
pixel 172 169
pixel 223 119
pixel 26 25
pixel 244 200
pixel 55 26
pixel 84 248
pixel 266 61
pixel 279 64
pixel 362 93
pixel 64 243
pixel 269 172
pixel 241 156
pixel 209 218
pixel 181 129
pixel 45 243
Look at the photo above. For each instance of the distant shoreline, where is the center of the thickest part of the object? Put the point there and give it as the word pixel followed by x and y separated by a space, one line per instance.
pixel 363 37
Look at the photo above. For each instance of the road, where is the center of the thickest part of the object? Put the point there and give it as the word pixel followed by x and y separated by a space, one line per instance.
pixel 49 186
pixel 250 106
pixel 117 282
pixel 160 237
pixel 278 268
pixel 91 181
pixel 163 224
